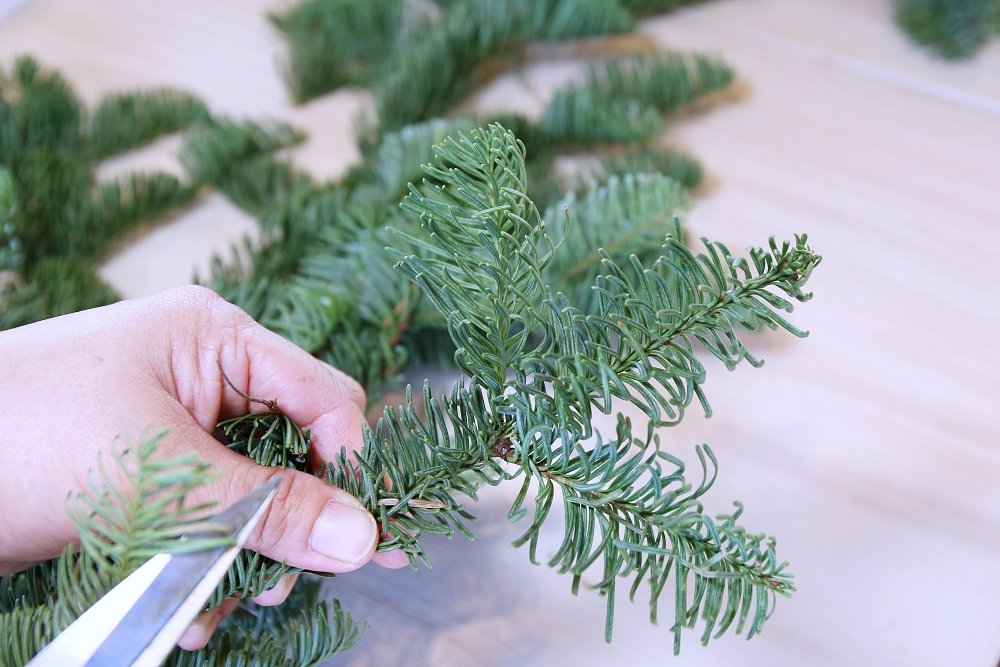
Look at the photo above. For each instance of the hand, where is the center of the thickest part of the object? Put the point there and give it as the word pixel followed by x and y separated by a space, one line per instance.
pixel 70 385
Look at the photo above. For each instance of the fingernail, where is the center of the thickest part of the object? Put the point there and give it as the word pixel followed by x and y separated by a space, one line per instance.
pixel 343 532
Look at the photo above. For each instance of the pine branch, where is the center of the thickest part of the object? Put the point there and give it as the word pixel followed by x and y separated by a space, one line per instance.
pixel 402 154
pixel 212 149
pixel 626 500
pixel 410 468
pixel 306 638
pixel 640 7
pixel 120 527
pixel 10 245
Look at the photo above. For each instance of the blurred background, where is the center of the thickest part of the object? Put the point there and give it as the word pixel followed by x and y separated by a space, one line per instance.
pixel 871 448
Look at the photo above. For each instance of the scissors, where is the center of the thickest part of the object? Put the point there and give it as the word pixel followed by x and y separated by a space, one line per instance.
pixel 138 622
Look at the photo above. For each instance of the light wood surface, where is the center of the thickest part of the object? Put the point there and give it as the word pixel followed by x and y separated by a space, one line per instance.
pixel 871 448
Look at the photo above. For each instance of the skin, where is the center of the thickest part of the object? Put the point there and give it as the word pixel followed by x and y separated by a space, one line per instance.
pixel 71 385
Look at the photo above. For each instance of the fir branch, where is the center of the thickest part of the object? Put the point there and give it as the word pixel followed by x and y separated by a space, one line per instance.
pixel 37 109
pixel 622 100
pixel 483 238
pixel 645 520
pixel 402 154
pixel 124 121
pixel 410 468
pixel 306 638
pixel 436 68
pixel 10 245
pixel 124 525
pixel 954 29
pixel 250 575
pixel 211 149
pixel 679 166
pixel 120 527
pixel 628 216
pixel 640 7
pixel 483 269
pixel 336 42
pixel 55 286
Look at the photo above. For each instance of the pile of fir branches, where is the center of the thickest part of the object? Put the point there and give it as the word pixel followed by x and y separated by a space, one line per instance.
pixel 954 29
pixel 422 56
pixel 550 316
pixel 59 221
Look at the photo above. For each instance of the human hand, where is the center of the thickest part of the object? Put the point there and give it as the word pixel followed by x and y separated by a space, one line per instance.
pixel 70 385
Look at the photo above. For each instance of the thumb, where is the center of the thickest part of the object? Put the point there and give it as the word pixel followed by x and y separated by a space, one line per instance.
pixel 309 524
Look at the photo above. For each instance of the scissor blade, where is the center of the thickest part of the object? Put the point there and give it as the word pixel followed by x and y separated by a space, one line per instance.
pixel 74 646
pixel 140 620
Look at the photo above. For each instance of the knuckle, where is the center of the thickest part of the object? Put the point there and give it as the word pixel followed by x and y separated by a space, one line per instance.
pixel 194 297
pixel 281 522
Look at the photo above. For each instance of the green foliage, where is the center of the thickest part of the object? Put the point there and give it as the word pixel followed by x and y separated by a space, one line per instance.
pixel 651 6
pixel 307 634
pixel 622 100
pixel 213 148
pixel 540 367
pixel 670 162
pixel 336 42
pixel 955 29
pixel 63 222
pixel 10 245
pixel 628 216
pixel 123 121
pixel 123 526
pixel 436 67
pixel 402 154
pixel 549 320
pixel 56 286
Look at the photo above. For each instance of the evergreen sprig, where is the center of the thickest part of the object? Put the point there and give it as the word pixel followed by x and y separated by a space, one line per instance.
pixel 336 42
pixel 671 162
pixel 434 69
pixel 124 121
pixel 540 367
pixel 622 100
pixel 954 29
pixel 64 221
pixel 548 326
pixel 627 216
pixel 132 514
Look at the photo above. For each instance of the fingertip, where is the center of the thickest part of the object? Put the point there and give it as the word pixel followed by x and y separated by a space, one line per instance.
pixel 197 634
pixel 194 638
pixel 392 560
pixel 345 532
pixel 279 593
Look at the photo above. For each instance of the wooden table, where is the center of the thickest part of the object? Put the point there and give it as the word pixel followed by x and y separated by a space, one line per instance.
pixel 871 448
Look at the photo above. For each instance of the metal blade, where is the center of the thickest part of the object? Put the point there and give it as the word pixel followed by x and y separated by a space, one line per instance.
pixel 140 620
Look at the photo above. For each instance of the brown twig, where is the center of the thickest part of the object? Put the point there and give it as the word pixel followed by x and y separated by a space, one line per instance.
pixel 271 405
